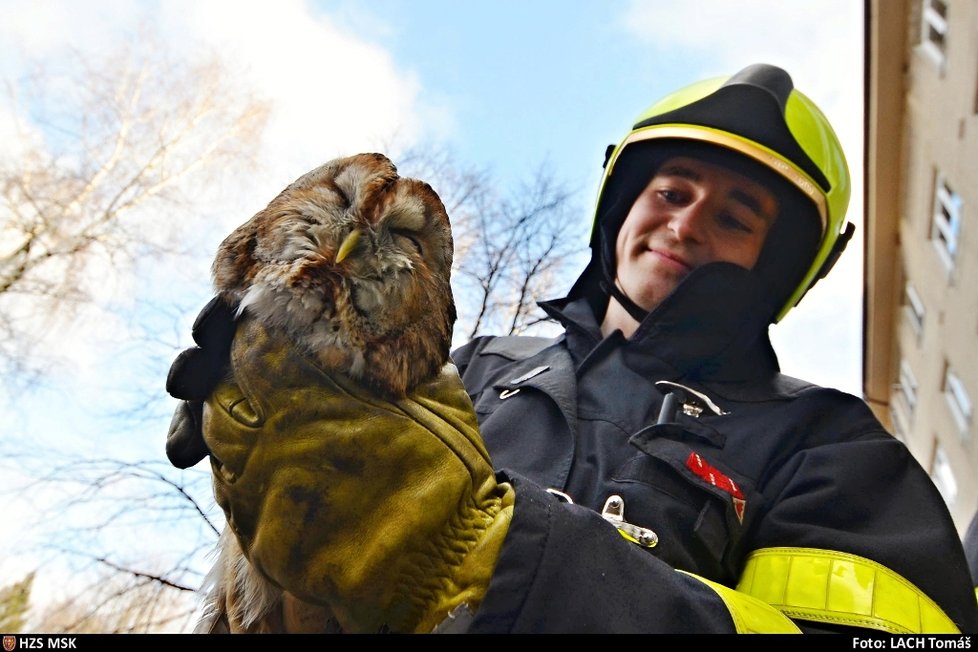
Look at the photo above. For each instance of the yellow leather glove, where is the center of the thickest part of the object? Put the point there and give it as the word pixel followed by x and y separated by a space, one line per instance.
pixel 387 513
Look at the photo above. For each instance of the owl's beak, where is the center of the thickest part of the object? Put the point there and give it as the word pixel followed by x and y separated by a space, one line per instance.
pixel 348 245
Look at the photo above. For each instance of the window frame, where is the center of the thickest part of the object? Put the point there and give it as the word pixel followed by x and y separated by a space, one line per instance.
pixel 958 401
pixel 942 475
pixel 914 309
pixel 931 22
pixel 945 224
pixel 907 387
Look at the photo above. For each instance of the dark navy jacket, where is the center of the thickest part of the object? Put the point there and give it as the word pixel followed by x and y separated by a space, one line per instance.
pixel 755 460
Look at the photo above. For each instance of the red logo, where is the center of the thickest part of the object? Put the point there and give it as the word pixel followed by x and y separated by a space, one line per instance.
pixel 9 642
pixel 711 474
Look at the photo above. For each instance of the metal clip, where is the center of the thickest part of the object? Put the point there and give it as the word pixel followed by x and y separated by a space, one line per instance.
pixel 614 513
pixel 691 410
pixel 560 494
pixel 693 402
pixel 536 371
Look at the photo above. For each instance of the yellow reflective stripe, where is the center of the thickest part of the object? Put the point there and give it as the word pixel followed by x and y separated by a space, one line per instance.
pixel 750 615
pixel 828 586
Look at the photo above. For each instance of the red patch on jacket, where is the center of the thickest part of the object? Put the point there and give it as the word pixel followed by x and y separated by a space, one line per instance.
pixel 715 477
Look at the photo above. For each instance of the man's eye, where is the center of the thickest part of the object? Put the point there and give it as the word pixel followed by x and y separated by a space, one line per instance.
pixel 671 196
pixel 731 222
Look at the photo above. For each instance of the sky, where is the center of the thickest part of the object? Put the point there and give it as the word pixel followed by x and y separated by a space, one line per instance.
pixel 507 85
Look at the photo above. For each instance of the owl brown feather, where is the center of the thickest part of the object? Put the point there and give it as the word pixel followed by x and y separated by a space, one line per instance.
pixel 353 263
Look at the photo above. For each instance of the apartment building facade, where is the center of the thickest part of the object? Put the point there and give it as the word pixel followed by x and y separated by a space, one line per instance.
pixel 920 359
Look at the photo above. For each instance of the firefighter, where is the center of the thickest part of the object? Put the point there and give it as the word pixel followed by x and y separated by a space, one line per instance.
pixel 651 470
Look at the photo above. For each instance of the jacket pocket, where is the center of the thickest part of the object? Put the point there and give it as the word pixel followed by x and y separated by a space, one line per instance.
pixel 699 511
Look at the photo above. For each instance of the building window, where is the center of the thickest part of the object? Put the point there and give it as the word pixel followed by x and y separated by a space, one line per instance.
pixel 913 309
pixel 946 222
pixel 943 476
pixel 901 428
pixel 933 29
pixel 907 387
pixel 903 402
pixel 958 400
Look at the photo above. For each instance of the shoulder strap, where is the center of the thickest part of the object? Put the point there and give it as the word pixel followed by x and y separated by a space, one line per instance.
pixel 517 347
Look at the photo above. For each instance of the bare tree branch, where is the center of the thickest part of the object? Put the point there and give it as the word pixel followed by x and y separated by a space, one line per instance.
pixel 144 132
pixel 159 579
pixel 140 527
pixel 511 249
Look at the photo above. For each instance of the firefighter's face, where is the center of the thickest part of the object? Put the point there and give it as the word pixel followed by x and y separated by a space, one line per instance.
pixel 691 213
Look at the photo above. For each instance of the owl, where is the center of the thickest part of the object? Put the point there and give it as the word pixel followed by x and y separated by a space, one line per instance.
pixel 352 263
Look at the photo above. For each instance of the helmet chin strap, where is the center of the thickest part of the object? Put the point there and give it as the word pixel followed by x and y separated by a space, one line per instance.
pixel 611 287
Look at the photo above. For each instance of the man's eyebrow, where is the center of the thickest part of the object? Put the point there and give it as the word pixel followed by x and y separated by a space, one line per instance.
pixel 676 170
pixel 748 200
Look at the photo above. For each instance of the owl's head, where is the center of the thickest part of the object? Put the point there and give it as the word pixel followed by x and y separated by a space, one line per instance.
pixel 349 257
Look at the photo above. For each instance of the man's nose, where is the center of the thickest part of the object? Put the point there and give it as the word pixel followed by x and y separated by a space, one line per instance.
pixel 688 222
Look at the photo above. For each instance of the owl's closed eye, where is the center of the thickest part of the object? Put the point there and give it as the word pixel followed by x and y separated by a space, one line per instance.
pixel 353 263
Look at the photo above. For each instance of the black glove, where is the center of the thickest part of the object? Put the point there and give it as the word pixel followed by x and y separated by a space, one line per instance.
pixel 192 377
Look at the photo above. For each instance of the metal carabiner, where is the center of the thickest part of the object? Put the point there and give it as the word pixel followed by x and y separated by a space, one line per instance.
pixel 614 513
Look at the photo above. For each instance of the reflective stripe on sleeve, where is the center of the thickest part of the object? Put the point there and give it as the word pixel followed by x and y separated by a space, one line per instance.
pixel 750 615
pixel 838 588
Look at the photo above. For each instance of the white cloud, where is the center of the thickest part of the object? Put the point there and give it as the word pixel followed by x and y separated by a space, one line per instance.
pixel 37 29
pixel 814 40
pixel 819 44
pixel 332 94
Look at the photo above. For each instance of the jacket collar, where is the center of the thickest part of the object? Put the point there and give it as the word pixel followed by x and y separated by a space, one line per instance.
pixel 713 327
